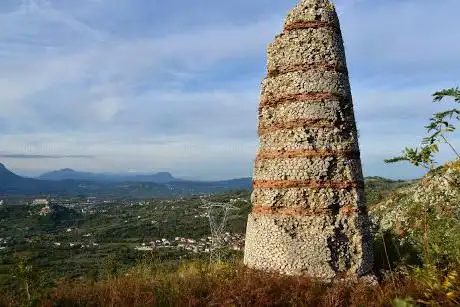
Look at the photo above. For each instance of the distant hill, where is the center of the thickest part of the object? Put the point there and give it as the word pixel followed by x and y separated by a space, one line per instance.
pixel 66 174
pixel 72 183
pixel 137 186
pixel 12 184
pixel 70 174
pixel 213 186
pixel 7 177
pixel 162 177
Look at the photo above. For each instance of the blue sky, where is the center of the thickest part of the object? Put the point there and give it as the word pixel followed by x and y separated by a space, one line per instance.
pixel 137 85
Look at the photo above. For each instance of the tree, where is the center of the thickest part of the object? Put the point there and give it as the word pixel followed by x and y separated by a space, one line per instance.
pixel 111 266
pixel 439 126
pixel 440 123
pixel 26 273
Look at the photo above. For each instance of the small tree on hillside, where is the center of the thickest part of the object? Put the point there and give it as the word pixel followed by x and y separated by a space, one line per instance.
pixel 25 273
pixel 439 127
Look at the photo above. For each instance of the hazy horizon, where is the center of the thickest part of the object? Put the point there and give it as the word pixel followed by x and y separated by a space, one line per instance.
pixel 176 175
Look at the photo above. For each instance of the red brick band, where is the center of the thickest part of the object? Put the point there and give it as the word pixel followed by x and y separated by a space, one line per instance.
pixel 306 153
pixel 312 184
pixel 283 211
pixel 309 25
pixel 312 96
pixel 306 67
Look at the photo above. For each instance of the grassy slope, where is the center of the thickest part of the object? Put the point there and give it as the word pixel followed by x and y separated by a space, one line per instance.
pixel 198 284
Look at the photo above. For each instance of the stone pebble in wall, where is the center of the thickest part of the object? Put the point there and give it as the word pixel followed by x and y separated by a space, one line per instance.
pixel 311 110
pixel 305 82
pixel 303 49
pixel 317 10
pixel 303 246
pixel 308 138
pixel 307 198
pixel 321 168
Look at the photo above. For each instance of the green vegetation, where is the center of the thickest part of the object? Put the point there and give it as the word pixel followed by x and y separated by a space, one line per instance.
pixel 79 240
pixel 418 234
pixel 440 125
pixel 418 227
pixel 378 188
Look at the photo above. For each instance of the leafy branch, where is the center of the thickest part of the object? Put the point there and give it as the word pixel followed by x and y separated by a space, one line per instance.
pixel 419 157
pixel 451 92
pixel 440 125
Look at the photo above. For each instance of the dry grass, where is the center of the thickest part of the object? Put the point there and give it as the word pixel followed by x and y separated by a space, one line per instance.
pixel 6 301
pixel 198 284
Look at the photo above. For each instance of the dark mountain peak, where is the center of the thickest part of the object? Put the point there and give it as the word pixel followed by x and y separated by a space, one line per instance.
pixel 4 170
pixel 67 170
pixel 65 174
pixel 164 175
pixel 7 176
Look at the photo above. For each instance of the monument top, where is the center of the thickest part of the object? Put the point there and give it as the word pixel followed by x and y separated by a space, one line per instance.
pixel 308 11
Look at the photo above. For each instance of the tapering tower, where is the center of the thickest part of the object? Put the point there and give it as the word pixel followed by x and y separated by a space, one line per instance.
pixel 309 214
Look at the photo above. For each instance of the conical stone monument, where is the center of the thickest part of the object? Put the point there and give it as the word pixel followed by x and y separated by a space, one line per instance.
pixel 309 214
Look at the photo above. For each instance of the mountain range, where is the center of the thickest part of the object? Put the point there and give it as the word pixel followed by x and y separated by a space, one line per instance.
pixel 68 182
pixel 70 174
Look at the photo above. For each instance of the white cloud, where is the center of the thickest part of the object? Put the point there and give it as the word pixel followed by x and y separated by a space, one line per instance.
pixel 116 68
pixel 403 40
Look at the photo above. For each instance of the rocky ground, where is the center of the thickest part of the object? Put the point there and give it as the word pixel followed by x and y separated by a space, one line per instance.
pixel 424 216
pixel 438 192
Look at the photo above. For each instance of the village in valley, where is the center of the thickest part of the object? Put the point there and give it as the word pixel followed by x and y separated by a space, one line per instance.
pixel 147 225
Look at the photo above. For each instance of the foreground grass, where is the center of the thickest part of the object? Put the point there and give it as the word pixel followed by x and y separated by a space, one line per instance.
pixel 199 284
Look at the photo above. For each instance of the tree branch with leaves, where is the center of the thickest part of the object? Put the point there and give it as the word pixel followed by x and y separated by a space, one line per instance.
pixel 439 127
